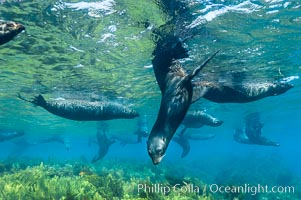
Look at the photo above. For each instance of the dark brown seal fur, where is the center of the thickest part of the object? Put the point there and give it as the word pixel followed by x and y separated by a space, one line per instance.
pixel 8 30
pixel 81 110
pixel 177 91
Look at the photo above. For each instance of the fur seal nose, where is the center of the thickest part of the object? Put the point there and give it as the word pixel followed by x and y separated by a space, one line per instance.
pixel 156 160
pixel 20 27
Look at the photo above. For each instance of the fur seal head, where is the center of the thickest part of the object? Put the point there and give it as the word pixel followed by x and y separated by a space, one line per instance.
pixel 156 149
pixel 8 30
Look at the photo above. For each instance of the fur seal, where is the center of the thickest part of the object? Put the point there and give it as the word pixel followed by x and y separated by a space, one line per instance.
pixel 142 130
pixel 103 142
pixel 176 88
pixel 238 93
pixel 198 119
pixel 252 133
pixel 8 30
pixel 10 134
pixel 81 110
pixel 57 138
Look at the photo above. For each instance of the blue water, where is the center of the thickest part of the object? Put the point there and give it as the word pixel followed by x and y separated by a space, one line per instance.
pixel 85 49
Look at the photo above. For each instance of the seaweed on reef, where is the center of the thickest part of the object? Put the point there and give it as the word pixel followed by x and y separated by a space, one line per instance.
pixel 36 183
pixel 284 177
pixel 108 186
pixel 5 167
pixel 112 180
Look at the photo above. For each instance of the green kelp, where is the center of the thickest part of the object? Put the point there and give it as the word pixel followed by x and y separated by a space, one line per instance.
pixel 37 183
pixel 62 182
pixel 108 186
pixel 112 180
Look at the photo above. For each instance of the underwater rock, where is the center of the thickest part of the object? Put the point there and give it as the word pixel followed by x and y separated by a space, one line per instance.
pixel 8 30
pixel 81 110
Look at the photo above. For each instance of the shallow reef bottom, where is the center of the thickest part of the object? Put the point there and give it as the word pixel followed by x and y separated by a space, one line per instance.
pixel 106 180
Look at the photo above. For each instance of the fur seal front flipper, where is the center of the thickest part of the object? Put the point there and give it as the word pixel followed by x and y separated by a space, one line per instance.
pixel 8 30
pixel 81 110
pixel 183 141
pixel 176 88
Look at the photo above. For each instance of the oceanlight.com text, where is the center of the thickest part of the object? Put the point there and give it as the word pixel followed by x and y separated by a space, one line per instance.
pixel 213 188
pixel 250 189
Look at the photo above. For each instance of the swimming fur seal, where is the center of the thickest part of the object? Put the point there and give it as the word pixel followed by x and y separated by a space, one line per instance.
pixel 10 134
pixel 177 90
pixel 252 133
pixel 197 119
pixel 8 30
pixel 57 138
pixel 142 129
pixel 81 110
pixel 238 93
pixel 104 144
pixel 103 141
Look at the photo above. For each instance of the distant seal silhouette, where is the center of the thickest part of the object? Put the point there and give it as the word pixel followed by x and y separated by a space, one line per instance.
pixel 198 119
pixel 10 134
pixel 81 110
pixel 176 88
pixel 103 142
pixel 142 129
pixel 252 133
pixel 58 139
pixel 8 30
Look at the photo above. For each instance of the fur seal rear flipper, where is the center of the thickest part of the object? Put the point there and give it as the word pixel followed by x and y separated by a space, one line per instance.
pixel 176 88
pixel 8 30
pixel 81 110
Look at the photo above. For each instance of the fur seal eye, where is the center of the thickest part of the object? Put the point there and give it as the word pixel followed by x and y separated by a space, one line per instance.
pixel 159 151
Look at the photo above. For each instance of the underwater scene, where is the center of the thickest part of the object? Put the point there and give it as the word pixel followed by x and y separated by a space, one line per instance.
pixel 150 99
